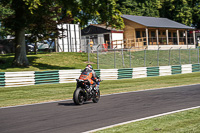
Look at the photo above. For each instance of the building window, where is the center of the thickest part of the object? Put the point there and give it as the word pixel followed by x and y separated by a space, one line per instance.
pixel 170 34
pixel 164 33
pixel 181 33
pixel 143 34
pixel 153 34
pixel 138 34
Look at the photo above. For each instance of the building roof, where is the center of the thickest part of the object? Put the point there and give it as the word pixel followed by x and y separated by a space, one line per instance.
pixel 156 22
pixel 98 29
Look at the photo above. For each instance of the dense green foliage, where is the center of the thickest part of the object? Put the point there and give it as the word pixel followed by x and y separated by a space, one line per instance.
pixel 183 11
pixel 139 7
pixel 5 12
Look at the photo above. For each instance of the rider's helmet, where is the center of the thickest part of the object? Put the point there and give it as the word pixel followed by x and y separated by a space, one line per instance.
pixel 89 66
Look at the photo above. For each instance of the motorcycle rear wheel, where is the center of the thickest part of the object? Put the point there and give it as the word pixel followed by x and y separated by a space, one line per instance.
pixel 97 97
pixel 78 96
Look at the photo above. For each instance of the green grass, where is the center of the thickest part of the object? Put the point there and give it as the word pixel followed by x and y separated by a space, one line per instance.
pixel 182 122
pixel 49 61
pixel 60 61
pixel 10 96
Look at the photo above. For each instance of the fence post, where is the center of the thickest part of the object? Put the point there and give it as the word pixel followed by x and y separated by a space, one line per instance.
pixel 189 56
pixel 88 53
pixel 123 57
pixel 180 55
pixel 130 56
pixel 114 58
pixel 198 53
pixel 169 55
pixel 145 57
pixel 158 56
pixel 98 56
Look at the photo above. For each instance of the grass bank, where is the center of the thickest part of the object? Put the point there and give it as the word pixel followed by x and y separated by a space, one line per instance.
pixel 11 96
pixel 71 60
pixel 49 61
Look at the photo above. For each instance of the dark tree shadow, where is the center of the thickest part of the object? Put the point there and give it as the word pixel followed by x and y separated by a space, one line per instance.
pixel 6 63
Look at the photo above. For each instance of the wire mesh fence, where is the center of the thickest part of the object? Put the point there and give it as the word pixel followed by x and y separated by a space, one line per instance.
pixel 129 58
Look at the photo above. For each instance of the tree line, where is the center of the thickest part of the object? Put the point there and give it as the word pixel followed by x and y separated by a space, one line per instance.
pixel 182 11
pixel 40 17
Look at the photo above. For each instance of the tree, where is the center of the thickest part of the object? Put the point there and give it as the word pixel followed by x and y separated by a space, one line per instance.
pixel 177 10
pixel 195 6
pixel 40 17
pixel 139 7
pixel 5 12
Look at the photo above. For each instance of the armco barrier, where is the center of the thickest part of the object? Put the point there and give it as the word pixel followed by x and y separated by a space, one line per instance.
pixel 68 76
pixel 152 71
pixel 13 79
pixel 186 68
pixel 108 74
pixel 165 70
pixel 46 77
pixel 139 72
pixel 176 69
pixel 125 73
pixel 2 79
pixel 195 67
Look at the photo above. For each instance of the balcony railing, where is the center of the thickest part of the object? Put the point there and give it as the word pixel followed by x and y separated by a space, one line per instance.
pixel 171 41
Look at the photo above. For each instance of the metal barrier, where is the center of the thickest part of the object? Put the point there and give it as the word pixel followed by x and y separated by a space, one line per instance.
pixel 69 76
pixel 13 79
pixel 2 79
pixel 46 77
pixel 25 78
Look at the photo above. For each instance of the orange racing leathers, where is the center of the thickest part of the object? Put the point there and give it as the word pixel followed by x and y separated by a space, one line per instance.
pixel 90 75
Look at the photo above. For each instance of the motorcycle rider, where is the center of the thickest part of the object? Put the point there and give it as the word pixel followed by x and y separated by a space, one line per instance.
pixel 90 75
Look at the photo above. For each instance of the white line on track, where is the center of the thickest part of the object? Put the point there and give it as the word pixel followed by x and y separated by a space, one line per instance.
pixel 101 95
pixel 91 131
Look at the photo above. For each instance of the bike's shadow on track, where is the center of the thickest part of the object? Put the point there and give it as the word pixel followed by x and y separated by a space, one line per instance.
pixel 72 104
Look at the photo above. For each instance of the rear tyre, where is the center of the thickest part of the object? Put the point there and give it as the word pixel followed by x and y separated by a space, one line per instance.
pixel 78 96
pixel 96 97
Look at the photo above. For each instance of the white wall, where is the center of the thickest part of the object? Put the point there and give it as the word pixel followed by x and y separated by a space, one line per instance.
pixel 167 47
pixel 117 36
pixel 71 41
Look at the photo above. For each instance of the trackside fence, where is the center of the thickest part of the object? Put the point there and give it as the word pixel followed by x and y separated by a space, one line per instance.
pixel 14 79
pixel 131 58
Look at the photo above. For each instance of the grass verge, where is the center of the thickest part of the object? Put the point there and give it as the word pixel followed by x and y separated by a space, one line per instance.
pixel 11 96
pixel 182 122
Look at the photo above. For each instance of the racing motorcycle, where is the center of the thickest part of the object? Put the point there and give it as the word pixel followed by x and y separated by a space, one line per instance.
pixel 83 92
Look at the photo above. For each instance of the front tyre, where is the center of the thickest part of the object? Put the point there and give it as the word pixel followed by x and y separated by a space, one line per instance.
pixel 78 96
pixel 96 97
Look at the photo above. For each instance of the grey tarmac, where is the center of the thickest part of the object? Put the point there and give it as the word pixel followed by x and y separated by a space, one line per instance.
pixel 65 117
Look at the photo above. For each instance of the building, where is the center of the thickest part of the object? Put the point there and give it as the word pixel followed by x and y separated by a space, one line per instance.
pixel 96 34
pixel 70 38
pixel 153 33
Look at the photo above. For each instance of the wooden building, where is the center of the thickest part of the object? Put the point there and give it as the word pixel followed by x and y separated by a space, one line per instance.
pixel 153 33
pixel 101 34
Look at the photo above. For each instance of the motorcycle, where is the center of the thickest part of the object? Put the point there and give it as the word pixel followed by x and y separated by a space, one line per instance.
pixel 83 92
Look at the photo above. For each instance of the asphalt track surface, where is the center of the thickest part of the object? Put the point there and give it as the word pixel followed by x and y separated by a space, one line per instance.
pixel 65 117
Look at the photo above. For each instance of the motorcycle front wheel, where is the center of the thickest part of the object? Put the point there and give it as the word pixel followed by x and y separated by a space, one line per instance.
pixel 78 96
pixel 96 97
